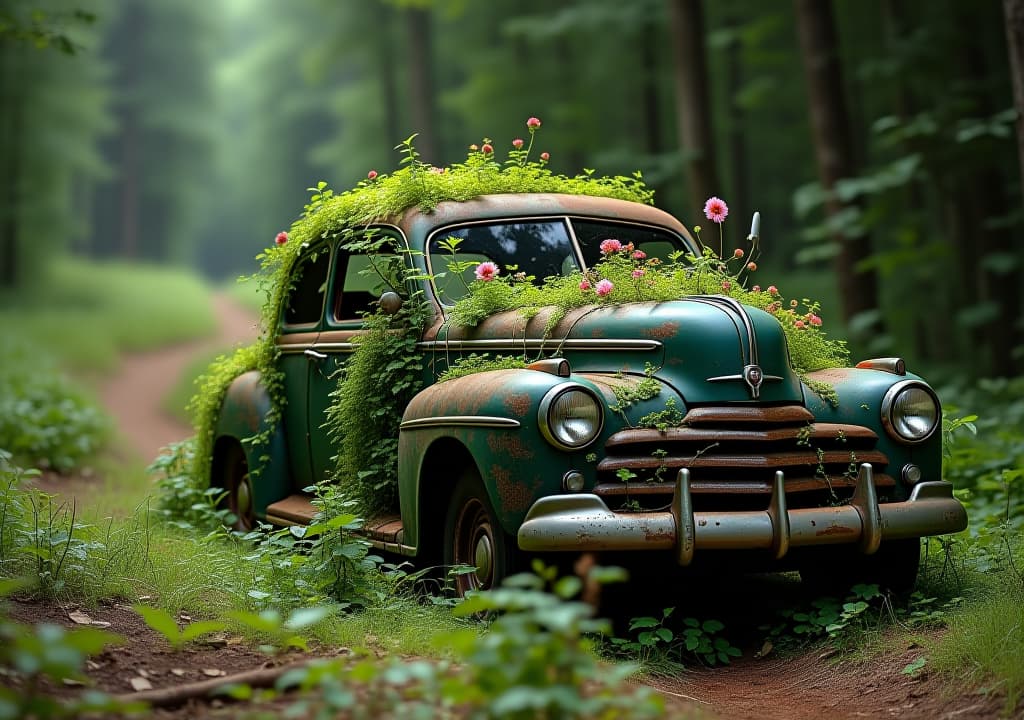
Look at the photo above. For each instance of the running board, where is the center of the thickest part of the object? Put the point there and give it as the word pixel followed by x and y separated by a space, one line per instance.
pixel 293 510
pixel 384 532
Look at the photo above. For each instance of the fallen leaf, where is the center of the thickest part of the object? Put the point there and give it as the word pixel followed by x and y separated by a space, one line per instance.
pixel 213 672
pixel 178 672
pixel 80 618
pixel 215 641
pixel 140 683
pixel 185 618
pixel 765 649
pixel 91 665
pixel 143 598
pixel 71 682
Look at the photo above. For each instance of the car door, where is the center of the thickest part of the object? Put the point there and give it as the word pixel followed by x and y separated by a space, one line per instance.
pixel 301 323
pixel 354 290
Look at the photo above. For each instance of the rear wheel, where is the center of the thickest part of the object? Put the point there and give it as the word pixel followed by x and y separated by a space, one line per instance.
pixel 234 478
pixel 474 537
pixel 893 567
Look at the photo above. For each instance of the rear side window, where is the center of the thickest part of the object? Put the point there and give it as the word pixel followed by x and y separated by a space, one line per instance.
pixel 535 248
pixel 305 302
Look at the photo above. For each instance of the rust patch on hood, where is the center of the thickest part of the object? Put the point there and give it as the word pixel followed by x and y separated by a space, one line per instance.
pixel 667 329
pixel 518 403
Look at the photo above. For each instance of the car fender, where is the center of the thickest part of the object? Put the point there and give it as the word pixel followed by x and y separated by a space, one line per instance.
pixel 246 415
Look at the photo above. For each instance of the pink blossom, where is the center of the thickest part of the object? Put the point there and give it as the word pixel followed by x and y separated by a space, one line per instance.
pixel 372 175
pixel 738 252
pixel 756 288
pixel 639 255
pixel 772 290
pixel 774 307
pixel 639 273
pixel 814 320
pixel 517 143
pixel 609 246
pixel 751 266
pixel 282 238
pixel 533 123
pixel 545 156
pixel 487 148
pixel 800 324
pixel 584 285
pixel 486 271
pixel 726 285
pixel 604 288
pixel 793 303
pixel 716 210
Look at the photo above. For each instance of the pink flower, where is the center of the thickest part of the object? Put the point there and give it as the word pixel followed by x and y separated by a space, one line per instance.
pixel 372 175
pixel 774 307
pixel 282 238
pixel 533 123
pixel 437 170
pixel 639 273
pixel 751 266
pixel 545 156
pixel 604 288
pixel 584 285
pixel 814 320
pixel 756 288
pixel 609 246
pixel 773 291
pixel 486 271
pixel 793 303
pixel 800 324
pixel 487 148
pixel 716 210
pixel 639 255
pixel 726 285
pixel 738 252
pixel 517 143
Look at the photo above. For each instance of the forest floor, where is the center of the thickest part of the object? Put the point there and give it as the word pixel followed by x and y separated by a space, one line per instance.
pixel 821 682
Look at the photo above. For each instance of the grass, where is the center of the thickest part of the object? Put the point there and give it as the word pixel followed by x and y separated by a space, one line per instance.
pixel 86 313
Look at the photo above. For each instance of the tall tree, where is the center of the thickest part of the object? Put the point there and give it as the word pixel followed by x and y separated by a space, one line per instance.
pixel 693 105
pixel 833 147
pixel 1014 13
pixel 422 95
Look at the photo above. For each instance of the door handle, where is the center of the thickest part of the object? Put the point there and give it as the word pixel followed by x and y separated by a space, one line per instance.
pixel 313 354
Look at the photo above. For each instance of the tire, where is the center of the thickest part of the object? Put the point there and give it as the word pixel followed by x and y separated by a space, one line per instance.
pixel 893 567
pixel 473 536
pixel 234 478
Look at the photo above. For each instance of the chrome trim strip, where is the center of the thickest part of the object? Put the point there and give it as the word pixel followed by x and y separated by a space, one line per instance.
pixel 336 347
pixel 740 378
pixel 460 421
pixel 542 344
pixel 292 349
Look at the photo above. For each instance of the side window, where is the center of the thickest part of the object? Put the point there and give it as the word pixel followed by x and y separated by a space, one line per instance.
pixel 305 302
pixel 356 285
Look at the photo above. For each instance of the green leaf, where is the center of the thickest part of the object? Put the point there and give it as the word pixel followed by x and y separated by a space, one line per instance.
pixel 161 621
pixel 305 617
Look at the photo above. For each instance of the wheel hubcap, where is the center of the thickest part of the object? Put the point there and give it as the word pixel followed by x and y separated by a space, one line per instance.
pixel 243 498
pixel 474 545
pixel 484 556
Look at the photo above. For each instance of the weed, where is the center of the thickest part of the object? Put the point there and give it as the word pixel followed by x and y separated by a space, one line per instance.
pixel 162 622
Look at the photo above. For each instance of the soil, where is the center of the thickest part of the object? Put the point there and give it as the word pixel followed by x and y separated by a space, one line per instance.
pixel 810 684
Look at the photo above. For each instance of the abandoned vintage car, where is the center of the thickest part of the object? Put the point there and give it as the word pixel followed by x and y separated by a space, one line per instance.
pixel 673 432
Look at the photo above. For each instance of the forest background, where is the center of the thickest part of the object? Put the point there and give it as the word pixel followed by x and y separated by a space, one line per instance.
pixel 878 140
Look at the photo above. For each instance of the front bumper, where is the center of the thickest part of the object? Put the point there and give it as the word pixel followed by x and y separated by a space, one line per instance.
pixel 583 522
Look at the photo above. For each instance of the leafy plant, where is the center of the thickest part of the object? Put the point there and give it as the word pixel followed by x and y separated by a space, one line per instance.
pixel 828 616
pixel 702 640
pixel 280 632
pixel 162 621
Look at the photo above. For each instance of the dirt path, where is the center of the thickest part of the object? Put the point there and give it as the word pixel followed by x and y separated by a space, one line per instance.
pixel 134 395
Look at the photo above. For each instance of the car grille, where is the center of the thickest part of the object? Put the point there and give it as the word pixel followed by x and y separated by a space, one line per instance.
pixel 733 453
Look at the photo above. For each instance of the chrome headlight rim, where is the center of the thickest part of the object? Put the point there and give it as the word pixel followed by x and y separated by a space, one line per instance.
pixel 544 416
pixel 891 424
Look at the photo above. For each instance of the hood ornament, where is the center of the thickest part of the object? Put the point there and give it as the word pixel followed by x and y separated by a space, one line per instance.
pixel 753 376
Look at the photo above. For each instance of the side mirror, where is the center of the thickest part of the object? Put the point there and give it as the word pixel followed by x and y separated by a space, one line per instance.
pixel 390 302
pixel 755 228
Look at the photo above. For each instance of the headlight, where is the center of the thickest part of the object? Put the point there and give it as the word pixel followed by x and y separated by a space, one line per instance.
pixel 910 411
pixel 570 417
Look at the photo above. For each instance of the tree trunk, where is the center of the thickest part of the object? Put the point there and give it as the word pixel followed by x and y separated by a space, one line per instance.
pixel 693 105
pixel 833 147
pixel 388 75
pixel 739 205
pixel 12 118
pixel 1013 10
pixel 421 82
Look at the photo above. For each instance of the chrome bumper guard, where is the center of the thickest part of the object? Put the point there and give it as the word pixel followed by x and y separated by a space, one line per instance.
pixel 584 522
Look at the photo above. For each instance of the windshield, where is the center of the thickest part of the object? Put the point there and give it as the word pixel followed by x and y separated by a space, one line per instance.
pixel 536 248
pixel 539 249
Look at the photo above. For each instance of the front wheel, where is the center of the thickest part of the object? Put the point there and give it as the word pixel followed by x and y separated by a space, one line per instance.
pixel 473 537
